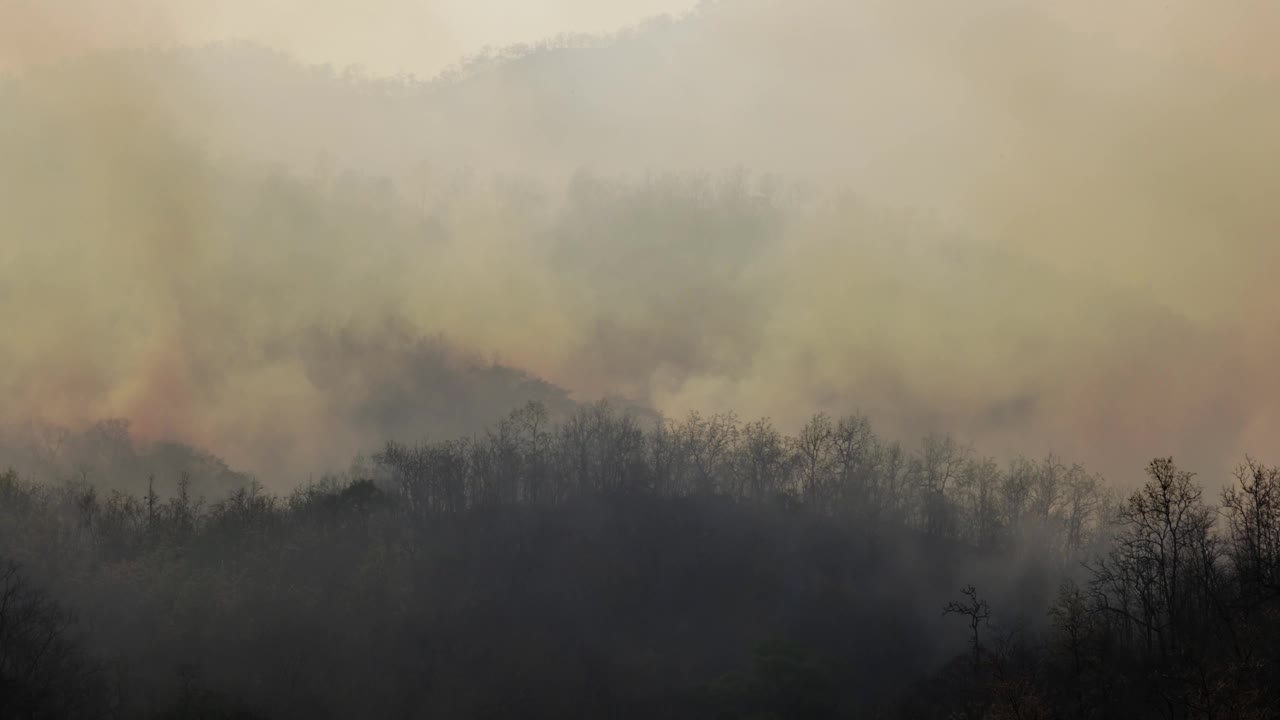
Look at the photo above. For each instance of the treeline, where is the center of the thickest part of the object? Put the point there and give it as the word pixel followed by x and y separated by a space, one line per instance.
pixel 603 565
pixel 1179 617
pixel 833 466
pixel 105 456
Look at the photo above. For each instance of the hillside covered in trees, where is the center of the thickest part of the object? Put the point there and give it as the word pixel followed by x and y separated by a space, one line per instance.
pixel 603 567
pixel 521 387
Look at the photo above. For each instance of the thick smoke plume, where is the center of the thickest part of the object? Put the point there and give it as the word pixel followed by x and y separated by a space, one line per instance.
pixel 1042 227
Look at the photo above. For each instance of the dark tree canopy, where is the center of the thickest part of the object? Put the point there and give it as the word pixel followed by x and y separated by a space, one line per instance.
pixel 605 565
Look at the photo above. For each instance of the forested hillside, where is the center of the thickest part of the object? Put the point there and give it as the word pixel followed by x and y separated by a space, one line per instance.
pixel 600 566
pixel 544 385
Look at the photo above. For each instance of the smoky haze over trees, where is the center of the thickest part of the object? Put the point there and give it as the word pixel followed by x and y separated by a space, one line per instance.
pixel 525 390
pixel 706 567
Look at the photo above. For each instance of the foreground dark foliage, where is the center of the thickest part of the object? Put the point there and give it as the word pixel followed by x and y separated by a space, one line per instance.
pixel 599 568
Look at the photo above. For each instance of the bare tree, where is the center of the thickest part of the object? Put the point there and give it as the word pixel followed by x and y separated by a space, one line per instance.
pixel 977 611
pixel 853 444
pixel 709 442
pixel 1164 546
pixel 1252 510
pixel 762 463
pixel 978 485
pixel 813 455
pixel 936 467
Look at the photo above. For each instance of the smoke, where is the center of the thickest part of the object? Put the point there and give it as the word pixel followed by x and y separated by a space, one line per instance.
pixel 1041 227
pixel 393 37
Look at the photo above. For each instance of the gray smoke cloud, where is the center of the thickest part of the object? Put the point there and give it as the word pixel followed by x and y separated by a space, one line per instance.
pixel 1041 227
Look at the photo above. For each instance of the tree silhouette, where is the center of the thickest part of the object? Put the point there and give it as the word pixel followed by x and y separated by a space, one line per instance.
pixel 978 612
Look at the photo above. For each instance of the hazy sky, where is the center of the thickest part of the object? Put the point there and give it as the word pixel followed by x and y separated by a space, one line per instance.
pixel 1109 176
pixel 386 37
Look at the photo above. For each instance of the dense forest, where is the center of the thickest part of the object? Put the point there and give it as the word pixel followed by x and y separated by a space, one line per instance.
pixel 525 386
pixel 603 565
